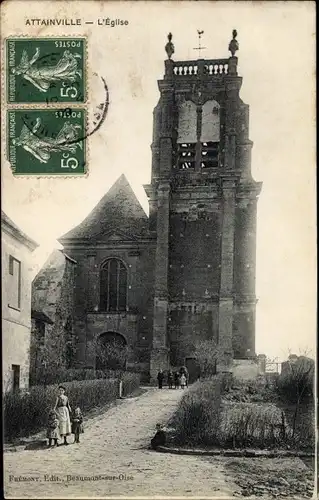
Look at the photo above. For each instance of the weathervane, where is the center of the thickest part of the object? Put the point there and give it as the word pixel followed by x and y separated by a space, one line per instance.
pixel 199 48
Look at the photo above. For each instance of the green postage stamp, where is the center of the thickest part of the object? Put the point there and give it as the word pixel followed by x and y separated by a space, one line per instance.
pixel 46 70
pixel 47 141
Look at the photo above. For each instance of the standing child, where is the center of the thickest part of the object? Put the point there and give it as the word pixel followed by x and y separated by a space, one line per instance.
pixel 53 428
pixel 77 424
pixel 185 371
pixel 183 381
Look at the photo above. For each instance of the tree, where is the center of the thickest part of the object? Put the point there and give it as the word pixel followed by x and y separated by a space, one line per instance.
pixel 296 383
pixel 52 350
pixel 207 354
pixel 109 355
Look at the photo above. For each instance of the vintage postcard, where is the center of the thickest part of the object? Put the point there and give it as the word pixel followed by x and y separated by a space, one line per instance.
pixel 158 249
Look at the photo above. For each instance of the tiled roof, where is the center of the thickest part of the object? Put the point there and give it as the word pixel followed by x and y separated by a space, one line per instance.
pixel 118 209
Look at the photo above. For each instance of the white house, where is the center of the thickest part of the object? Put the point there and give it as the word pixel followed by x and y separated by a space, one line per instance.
pixel 16 304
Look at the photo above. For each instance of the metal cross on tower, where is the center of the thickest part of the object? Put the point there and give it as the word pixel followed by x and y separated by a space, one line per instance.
pixel 199 48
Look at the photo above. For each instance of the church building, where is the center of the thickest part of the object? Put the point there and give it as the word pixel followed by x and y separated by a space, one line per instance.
pixel 161 283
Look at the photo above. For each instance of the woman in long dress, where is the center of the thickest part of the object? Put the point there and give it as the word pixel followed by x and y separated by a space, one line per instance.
pixel 63 410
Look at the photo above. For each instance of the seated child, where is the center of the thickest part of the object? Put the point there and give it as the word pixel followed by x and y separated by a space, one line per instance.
pixel 53 428
pixel 77 424
pixel 160 437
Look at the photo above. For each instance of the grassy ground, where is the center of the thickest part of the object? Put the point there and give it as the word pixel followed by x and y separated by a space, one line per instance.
pixel 274 478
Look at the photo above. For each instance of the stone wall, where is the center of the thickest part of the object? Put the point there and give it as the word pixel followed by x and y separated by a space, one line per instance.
pixel 137 322
pixel 194 259
pixel 245 369
pixel 53 294
pixel 188 325
pixel 244 278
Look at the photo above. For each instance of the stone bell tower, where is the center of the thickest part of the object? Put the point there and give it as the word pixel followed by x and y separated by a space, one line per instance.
pixel 203 204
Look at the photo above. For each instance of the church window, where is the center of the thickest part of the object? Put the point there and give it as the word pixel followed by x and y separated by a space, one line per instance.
pixel 14 283
pixel 113 286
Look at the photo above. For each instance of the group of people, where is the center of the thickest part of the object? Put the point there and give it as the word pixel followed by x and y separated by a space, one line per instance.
pixel 177 379
pixel 62 422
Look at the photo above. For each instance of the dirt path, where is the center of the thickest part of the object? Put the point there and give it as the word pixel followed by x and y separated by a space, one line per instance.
pixel 113 450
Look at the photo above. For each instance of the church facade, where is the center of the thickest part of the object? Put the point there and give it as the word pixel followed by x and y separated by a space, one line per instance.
pixel 160 284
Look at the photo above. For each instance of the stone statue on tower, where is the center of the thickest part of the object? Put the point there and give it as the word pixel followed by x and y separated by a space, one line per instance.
pixel 233 45
pixel 169 47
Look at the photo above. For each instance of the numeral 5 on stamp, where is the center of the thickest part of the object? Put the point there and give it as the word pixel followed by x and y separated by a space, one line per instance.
pixel 47 141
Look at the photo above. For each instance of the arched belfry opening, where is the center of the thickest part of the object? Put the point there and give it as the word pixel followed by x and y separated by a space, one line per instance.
pixel 111 351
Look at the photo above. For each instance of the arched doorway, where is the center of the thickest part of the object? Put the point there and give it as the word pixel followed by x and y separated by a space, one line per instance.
pixel 193 369
pixel 111 352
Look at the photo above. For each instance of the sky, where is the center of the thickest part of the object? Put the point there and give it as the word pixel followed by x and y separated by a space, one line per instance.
pixel 277 62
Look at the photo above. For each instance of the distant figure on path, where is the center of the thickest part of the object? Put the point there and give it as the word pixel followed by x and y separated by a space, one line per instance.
pixel 160 378
pixel 176 380
pixel 160 437
pixel 184 371
pixel 53 428
pixel 183 381
pixel 77 424
pixel 170 379
pixel 63 410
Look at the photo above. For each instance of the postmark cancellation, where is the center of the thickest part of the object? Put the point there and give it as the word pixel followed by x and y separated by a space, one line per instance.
pixel 47 141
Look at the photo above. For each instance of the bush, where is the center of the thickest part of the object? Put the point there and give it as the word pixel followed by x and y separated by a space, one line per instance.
pixel 202 419
pixel 302 425
pixel 26 413
pixel 207 354
pixel 251 424
pixel 295 386
pixel 251 391
pixel 197 417
pixel 51 377
pixel 296 383
pixel 131 382
pixel 61 375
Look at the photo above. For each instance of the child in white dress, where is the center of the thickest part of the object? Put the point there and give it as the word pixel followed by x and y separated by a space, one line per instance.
pixel 183 381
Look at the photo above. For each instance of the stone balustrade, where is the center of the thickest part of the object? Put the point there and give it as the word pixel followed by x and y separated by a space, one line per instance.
pixel 210 67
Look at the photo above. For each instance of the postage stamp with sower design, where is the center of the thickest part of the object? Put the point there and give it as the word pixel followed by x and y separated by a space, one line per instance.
pixel 47 141
pixel 46 70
